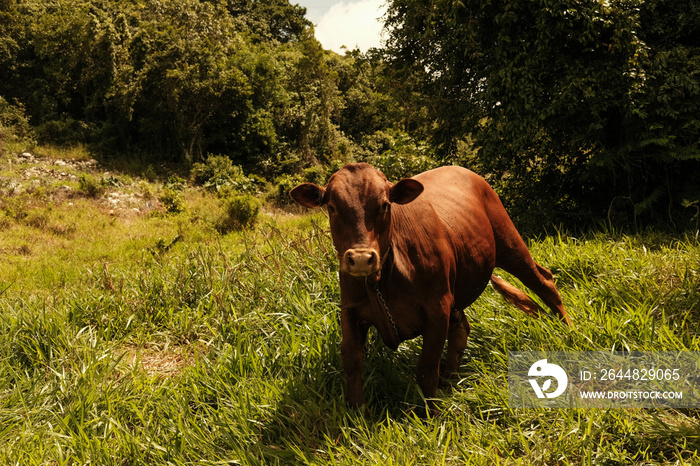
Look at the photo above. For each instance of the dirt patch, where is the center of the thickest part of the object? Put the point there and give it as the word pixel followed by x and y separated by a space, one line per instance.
pixel 129 201
pixel 168 361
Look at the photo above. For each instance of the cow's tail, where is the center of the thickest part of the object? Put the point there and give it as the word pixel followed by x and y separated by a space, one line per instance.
pixel 515 296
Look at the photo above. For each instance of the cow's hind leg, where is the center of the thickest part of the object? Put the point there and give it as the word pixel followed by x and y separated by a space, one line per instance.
pixel 456 341
pixel 515 258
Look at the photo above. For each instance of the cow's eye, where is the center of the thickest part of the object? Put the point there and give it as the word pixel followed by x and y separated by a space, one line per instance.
pixel 385 206
pixel 331 209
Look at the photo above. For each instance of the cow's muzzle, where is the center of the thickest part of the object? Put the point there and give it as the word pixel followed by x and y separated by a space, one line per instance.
pixel 360 262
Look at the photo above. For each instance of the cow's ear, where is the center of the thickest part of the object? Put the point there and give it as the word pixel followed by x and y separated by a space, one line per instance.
pixel 405 191
pixel 308 195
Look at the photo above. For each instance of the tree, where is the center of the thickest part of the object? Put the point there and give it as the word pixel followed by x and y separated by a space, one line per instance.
pixel 268 20
pixel 174 79
pixel 8 30
pixel 177 80
pixel 191 77
pixel 661 162
pixel 314 101
pixel 555 92
pixel 375 97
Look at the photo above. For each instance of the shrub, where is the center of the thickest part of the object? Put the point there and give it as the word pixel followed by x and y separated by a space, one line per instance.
pixel 219 172
pixel 398 155
pixel 240 213
pixel 316 174
pixel 89 185
pixel 213 165
pixel 64 132
pixel 13 121
pixel 150 174
pixel 172 200
pixel 176 183
pixel 279 194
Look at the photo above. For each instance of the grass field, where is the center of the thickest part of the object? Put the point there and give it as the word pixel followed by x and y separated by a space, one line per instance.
pixel 130 336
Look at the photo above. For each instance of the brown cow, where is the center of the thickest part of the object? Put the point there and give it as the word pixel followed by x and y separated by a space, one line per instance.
pixel 413 255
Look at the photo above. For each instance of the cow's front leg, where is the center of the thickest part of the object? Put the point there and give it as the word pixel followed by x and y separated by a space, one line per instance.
pixel 352 352
pixel 428 370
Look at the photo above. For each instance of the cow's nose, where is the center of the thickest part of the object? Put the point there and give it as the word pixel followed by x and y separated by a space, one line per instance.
pixel 361 262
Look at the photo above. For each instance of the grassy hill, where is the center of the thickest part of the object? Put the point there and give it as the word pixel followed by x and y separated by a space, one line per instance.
pixel 135 331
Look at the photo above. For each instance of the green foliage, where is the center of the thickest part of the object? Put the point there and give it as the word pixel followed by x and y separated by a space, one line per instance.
pixel 89 185
pixel 176 79
pixel 9 20
pixel 279 193
pixel 316 174
pixel 64 131
pixel 14 122
pixel 272 20
pixel 579 112
pixel 150 173
pixel 544 64
pixel 662 161
pixel 241 212
pixel 380 96
pixel 576 102
pixel 398 155
pixel 176 183
pixel 172 200
pixel 218 172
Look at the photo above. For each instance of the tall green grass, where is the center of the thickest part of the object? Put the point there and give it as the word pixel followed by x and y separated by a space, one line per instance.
pixel 224 349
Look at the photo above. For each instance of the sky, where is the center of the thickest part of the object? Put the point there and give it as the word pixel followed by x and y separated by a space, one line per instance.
pixel 346 22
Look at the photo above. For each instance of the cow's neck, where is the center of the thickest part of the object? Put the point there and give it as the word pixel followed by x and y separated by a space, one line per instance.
pixel 407 237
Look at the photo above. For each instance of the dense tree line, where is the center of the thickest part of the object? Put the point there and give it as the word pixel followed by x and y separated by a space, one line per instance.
pixel 180 79
pixel 578 110
pixel 581 109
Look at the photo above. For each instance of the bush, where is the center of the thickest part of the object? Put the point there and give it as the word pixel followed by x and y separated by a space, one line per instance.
pixel 13 121
pixel 150 174
pixel 214 165
pixel 89 185
pixel 176 183
pixel 316 174
pixel 172 200
pixel 279 194
pixel 240 213
pixel 64 132
pixel 219 172
pixel 399 155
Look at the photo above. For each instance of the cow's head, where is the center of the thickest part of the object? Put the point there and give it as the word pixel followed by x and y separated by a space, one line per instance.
pixel 359 198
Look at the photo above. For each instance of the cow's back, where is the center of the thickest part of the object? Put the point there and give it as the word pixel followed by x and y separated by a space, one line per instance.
pixel 465 205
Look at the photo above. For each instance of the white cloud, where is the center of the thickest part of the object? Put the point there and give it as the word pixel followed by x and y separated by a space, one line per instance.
pixel 352 24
